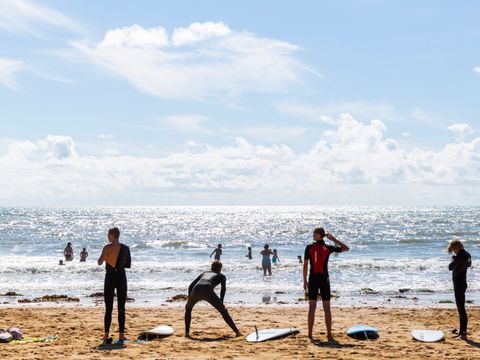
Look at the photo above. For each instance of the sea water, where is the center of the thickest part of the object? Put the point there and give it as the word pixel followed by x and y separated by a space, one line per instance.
pixel 396 254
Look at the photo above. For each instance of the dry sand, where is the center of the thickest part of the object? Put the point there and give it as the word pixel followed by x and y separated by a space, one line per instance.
pixel 80 331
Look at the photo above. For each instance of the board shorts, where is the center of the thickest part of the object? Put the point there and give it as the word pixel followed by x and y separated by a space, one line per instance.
pixel 319 283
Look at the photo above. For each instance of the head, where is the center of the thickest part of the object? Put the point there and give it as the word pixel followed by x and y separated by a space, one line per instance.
pixel 454 246
pixel 113 234
pixel 219 246
pixel 84 249
pixel 249 248
pixel 318 234
pixel 266 246
pixel 217 266
pixel 299 257
pixel 274 251
pixel 69 244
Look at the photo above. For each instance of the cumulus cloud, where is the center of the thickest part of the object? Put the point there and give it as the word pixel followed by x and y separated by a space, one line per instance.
pixel 198 32
pixel 202 61
pixel 477 69
pixel 24 16
pixel 354 154
pixel 8 69
pixel 461 131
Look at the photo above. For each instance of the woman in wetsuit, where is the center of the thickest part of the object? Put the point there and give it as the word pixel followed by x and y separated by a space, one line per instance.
pixel 202 288
pixel 461 261
pixel 266 262
pixel 117 258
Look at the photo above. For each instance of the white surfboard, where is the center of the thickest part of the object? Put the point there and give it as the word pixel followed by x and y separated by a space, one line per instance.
pixel 159 331
pixel 428 335
pixel 269 334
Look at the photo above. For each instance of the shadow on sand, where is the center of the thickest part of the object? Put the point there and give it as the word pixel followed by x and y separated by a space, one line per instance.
pixel 332 344
pixel 110 347
pixel 473 343
pixel 209 339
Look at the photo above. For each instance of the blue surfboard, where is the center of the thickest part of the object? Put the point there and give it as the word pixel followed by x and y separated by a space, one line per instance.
pixel 362 332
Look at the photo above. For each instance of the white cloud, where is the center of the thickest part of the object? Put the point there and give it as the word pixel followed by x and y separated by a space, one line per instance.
pixel 135 36
pixel 105 136
pixel 8 69
pixel 477 69
pixel 186 122
pixel 23 16
pixel 461 131
pixel 279 133
pixel 228 64
pixel 198 32
pixel 354 162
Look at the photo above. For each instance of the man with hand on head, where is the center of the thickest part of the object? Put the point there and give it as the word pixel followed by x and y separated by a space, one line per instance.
pixel 317 255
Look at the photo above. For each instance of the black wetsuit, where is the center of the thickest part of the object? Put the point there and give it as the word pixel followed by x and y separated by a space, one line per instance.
pixel 115 278
pixel 459 265
pixel 202 288
pixel 318 254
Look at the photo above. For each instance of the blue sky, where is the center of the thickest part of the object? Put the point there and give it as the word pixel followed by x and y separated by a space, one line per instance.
pixel 214 102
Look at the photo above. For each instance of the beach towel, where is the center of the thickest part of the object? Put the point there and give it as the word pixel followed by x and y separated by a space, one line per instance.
pixel 5 336
pixel 47 339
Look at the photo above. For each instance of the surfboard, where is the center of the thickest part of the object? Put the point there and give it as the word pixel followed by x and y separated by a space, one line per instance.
pixel 362 332
pixel 158 332
pixel 428 335
pixel 269 334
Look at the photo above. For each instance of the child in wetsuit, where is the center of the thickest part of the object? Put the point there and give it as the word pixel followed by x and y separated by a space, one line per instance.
pixel 461 261
pixel 249 253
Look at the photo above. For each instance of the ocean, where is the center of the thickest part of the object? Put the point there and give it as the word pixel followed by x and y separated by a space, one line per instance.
pixel 397 254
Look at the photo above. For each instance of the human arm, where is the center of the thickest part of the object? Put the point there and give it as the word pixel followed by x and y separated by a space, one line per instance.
pixel 305 268
pixel 337 242
pixel 223 289
pixel 128 258
pixel 101 259
pixel 459 263
pixel 213 252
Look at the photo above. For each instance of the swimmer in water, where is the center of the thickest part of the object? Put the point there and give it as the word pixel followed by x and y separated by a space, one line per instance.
pixel 83 255
pixel 275 257
pixel 68 252
pixel 249 253
pixel 266 262
pixel 117 258
pixel 217 252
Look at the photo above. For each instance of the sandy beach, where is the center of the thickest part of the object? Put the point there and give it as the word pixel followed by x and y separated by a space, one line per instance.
pixel 80 330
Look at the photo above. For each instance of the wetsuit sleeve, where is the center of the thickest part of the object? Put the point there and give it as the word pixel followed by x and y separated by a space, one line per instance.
pixel 224 288
pixel 306 256
pixel 333 249
pixel 460 263
pixel 192 285
pixel 128 258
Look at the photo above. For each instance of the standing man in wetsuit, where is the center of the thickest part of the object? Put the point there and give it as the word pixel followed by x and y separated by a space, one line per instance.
pixel 317 255
pixel 117 259
pixel 202 288
pixel 461 261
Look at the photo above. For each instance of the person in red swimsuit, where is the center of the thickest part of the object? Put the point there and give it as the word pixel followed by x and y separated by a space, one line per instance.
pixel 317 255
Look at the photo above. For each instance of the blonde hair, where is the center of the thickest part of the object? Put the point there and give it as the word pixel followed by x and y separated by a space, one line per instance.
pixel 454 246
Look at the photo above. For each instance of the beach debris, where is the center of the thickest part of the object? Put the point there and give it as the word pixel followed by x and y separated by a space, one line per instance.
pixel 178 297
pixel 469 301
pixel 368 291
pixel 404 290
pixel 11 294
pixel 50 298
pixel 97 294
pixel 130 299
pixel 445 302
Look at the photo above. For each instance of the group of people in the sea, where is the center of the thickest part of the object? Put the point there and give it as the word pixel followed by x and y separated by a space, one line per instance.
pixel 316 280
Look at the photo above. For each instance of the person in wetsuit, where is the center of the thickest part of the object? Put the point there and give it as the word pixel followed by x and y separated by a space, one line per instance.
pixel 461 261
pixel 317 255
pixel 117 258
pixel 202 288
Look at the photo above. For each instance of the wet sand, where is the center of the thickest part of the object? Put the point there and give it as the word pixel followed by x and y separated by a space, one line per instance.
pixel 80 330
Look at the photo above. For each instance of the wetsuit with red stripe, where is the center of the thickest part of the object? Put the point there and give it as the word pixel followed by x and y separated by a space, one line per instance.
pixel 318 254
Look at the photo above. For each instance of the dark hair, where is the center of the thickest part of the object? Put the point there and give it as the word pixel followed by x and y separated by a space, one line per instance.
pixel 69 244
pixel 274 250
pixel 266 246
pixel 219 245
pixel 85 249
pixel 216 266
pixel 249 248
pixel 115 232
pixel 320 231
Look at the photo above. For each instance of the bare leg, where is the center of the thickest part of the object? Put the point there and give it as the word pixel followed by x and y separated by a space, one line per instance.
pixel 264 270
pixel 269 270
pixel 328 318
pixel 312 306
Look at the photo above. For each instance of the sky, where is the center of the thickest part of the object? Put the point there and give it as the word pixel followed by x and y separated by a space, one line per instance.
pixel 239 103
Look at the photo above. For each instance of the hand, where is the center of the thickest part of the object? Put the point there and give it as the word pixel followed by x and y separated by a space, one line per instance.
pixel 305 285
pixel 330 237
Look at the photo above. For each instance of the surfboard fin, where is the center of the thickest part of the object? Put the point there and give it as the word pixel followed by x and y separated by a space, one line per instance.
pixel 256 331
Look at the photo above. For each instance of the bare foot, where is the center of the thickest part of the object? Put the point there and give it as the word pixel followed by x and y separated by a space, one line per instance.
pixel 238 333
pixel 331 340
